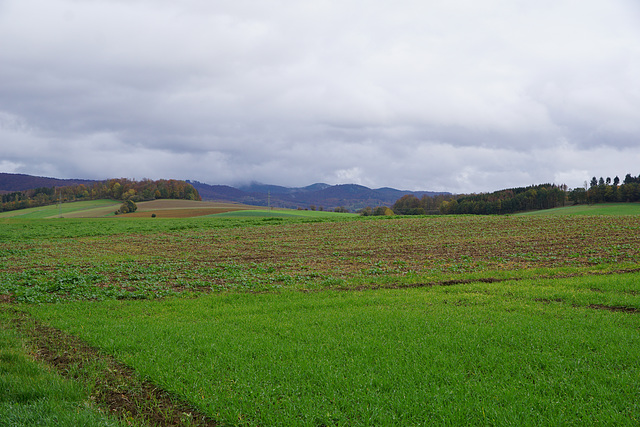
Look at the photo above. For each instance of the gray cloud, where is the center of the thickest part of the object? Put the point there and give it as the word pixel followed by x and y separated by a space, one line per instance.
pixel 460 96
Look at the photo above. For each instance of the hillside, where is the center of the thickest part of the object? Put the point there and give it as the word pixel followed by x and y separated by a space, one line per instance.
pixel 10 182
pixel 320 195
pixel 323 196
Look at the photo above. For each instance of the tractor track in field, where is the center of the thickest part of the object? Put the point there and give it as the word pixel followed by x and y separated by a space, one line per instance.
pixel 615 308
pixel 452 282
pixel 115 387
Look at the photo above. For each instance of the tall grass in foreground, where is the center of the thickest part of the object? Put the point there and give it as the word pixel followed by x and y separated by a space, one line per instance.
pixel 528 352
pixel 32 395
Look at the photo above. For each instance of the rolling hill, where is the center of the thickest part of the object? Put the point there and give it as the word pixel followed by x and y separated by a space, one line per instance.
pixel 323 196
pixel 328 197
pixel 10 182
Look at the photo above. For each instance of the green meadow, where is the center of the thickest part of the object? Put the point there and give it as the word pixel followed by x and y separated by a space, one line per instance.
pixel 513 353
pixel 597 209
pixel 281 213
pixel 102 207
pixel 321 320
pixel 33 394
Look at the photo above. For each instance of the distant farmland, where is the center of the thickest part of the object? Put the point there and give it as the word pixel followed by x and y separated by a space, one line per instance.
pixel 185 208
pixel 163 208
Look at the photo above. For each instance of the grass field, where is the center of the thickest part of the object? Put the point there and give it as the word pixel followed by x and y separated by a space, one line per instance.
pixel 34 395
pixel 597 209
pixel 517 353
pixel 160 209
pixel 335 320
pixel 282 213
pixel 87 209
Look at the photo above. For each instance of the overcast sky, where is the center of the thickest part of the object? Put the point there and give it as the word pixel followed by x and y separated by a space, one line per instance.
pixel 448 95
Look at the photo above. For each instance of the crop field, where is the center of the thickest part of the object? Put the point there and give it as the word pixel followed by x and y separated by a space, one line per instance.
pixel 159 208
pixel 332 320
pixel 84 209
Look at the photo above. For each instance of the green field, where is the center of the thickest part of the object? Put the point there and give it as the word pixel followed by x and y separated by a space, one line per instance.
pixel 34 395
pixel 103 207
pixel 597 209
pixel 342 320
pixel 281 213
pixel 179 209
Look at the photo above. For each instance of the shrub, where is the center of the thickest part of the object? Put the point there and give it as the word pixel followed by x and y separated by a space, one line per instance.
pixel 128 206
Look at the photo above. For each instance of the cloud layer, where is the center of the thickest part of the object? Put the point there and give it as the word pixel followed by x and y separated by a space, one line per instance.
pixel 459 96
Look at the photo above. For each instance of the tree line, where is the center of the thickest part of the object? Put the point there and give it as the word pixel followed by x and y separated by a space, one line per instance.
pixel 607 190
pixel 117 189
pixel 543 196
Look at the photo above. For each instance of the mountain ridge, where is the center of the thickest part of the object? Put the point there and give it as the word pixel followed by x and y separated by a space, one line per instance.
pixel 321 196
pixel 352 197
pixel 10 182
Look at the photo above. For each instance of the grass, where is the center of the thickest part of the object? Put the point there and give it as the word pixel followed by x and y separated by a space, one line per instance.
pixel 162 208
pixel 597 209
pixel 31 394
pixel 518 353
pixel 344 320
pixel 104 207
pixel 281 213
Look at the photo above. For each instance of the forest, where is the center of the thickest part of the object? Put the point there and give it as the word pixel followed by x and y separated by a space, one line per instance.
pixel 607 190
pixel 544 196
pixel 535 197
pixel 117 189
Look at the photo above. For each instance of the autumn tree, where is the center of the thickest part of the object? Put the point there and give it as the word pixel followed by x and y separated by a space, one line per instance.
pixel 128 206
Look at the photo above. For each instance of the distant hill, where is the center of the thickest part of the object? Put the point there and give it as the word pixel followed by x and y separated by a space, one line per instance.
pixel 10 182
pixel 255 187
pixel 328 197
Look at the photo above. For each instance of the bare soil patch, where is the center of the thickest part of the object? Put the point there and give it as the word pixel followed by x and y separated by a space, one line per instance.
pixel 115 387
pixel 616 308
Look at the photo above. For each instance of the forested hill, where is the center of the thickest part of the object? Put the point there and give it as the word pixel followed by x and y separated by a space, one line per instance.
pixel 116 189
pixel 350 197
pixel 543 196
pixel 12 182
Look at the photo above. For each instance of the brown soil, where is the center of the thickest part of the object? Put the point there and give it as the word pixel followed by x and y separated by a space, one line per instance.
pixel 116 387
pixel 618 308
pixel 6 298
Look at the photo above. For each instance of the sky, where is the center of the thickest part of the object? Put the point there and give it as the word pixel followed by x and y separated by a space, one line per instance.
pixel 463 96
